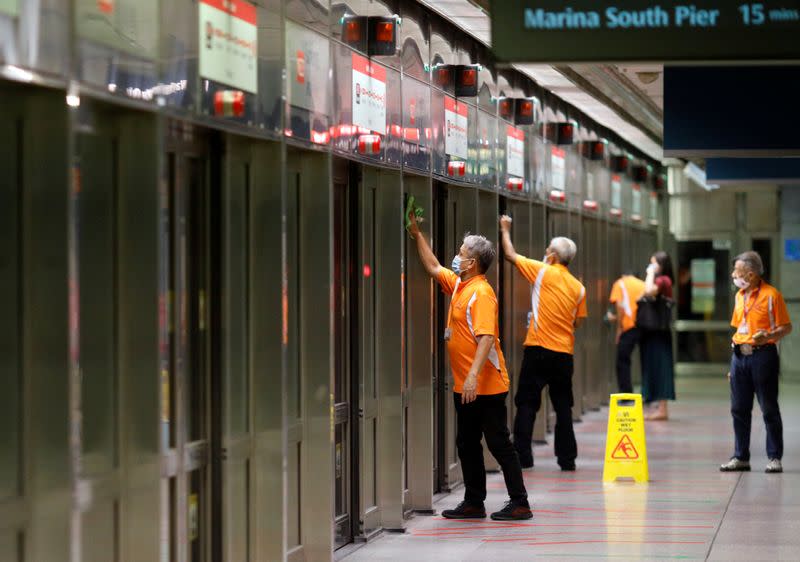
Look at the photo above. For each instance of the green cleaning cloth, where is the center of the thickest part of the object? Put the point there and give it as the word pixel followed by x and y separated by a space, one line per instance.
pixel 411 207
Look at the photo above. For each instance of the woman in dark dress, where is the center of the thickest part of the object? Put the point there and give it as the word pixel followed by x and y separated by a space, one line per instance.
pixel 658 373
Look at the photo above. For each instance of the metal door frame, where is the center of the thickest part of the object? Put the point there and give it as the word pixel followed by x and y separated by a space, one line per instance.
pixel 182 458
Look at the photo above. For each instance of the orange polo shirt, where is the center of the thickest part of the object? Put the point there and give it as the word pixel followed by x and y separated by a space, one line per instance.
pixel 626 292
pixel 473 313
pixel 557 300
pixel 766 310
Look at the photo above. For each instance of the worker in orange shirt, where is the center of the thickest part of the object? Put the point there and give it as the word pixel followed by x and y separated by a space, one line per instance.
pixel 479 375
pixel 558 304
pixel 761 320
pixel 625 293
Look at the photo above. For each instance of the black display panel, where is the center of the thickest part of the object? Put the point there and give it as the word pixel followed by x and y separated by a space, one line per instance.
pixel 641 30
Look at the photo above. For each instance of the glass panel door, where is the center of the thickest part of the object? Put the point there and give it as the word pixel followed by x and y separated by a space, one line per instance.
pixel 704 293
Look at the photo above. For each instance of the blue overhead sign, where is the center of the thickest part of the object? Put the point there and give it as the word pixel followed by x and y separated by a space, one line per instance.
pixel 637 30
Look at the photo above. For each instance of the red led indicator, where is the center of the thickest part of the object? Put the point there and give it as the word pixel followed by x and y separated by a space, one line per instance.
pixel 384 31
pixel 526 108
pixel 352 32
pixel 443 76
pixel 367 270
pixel 469 77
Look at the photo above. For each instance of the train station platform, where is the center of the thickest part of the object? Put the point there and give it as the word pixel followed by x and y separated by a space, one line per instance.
pixel 688 511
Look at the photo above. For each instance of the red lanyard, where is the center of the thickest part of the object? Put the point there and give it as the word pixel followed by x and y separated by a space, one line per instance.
pixel 745 309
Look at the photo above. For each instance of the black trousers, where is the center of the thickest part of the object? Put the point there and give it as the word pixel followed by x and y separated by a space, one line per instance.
pixel 486 417
pixel 627 341
pixel 542 367
pixel 756 374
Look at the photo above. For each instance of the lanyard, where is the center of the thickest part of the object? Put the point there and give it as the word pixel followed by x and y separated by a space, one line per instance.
pixel 746 309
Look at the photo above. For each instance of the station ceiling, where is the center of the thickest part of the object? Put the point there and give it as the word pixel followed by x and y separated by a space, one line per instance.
pixel 625 98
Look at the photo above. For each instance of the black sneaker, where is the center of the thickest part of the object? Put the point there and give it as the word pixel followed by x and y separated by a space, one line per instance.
pixel 567 466
pixel 465 510
pixel 513 512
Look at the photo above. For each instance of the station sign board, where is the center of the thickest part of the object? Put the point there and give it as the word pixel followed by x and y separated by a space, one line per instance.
pixel 552 31
pixel 229 43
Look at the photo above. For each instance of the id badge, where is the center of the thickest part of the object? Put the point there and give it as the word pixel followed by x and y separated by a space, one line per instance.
pixel 447 333
pixel 743 329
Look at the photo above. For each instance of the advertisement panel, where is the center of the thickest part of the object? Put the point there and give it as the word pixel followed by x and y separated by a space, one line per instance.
pixel 229 43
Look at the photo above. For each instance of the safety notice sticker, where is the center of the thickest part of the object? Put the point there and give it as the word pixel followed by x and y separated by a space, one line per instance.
pixel 515 151
pixel 558 168
pixel 369 94
pixel 456 127
pixel 625 449
pixel 229 43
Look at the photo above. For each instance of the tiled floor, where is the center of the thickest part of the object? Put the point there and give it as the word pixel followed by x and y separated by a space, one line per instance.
pixel 689 510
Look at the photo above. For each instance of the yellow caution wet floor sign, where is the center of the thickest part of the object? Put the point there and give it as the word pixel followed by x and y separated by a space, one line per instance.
pixel 626 451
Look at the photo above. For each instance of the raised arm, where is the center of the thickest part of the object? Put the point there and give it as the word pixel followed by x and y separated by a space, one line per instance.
pixel 429 261
pixel 650 287
pixel 508 247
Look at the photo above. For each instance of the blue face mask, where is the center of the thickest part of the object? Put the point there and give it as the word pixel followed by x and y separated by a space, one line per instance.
pixel 456 265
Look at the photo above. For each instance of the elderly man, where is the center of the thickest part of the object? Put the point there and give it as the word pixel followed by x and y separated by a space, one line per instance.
pixel 479 375
pixel 761 320
pixel 558 304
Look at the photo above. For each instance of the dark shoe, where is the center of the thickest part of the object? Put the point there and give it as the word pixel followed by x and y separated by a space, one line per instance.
pixel 525 466
pixel 735 465
pixel 513 512
pixel 567 467
pixel 465 510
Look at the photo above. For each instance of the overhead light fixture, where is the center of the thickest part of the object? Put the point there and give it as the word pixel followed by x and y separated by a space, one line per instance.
pixel 648 77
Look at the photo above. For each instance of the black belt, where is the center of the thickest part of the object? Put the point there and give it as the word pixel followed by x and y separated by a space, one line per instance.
pixel 749 349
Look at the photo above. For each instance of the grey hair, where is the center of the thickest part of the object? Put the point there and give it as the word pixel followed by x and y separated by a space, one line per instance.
pixel 564 248
pixel 481 249
pixel 751 261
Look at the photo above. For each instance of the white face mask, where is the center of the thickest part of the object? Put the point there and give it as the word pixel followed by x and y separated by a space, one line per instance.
pixel 741 282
